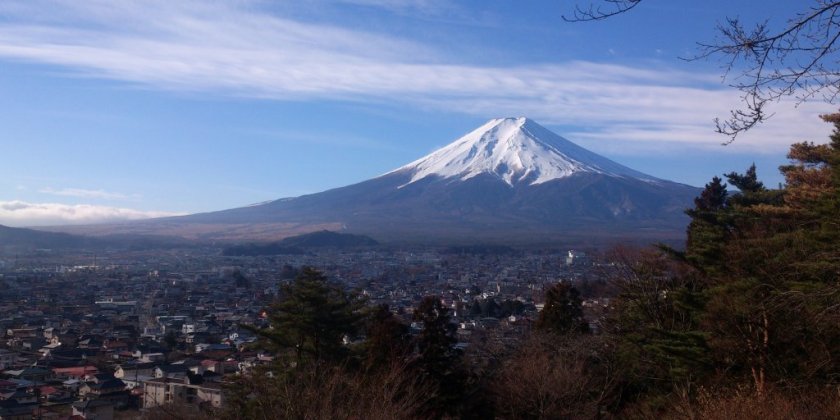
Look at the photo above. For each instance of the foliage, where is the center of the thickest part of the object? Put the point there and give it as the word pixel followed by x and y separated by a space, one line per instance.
pixel 312 318
pixel 438 363
pixel 562 312
pixel 339 392
pixel 780 261
pixel 742 403
pixel 555 377
pixel 707 231
pixel 754 297
pixel 659 345
pixel 388 339
pixel 400 377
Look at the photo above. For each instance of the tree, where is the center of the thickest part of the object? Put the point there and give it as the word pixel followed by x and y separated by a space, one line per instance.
pixel 562 312
pixel 552 377
pixel 771 285
pixel 390 392
pixel 438 362
pixel 321 381
pixel 312 318
pixel 659 344
pixel 708 228
pixel 766 63
pixel 388 339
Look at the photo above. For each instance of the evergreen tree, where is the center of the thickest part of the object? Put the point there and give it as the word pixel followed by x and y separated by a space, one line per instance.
pixel 312 318
pixel 708 229
pixel 659 343
pixel 747 182
pixel 439 364
pixel 388 339
pixel 562 312
pixel 773 274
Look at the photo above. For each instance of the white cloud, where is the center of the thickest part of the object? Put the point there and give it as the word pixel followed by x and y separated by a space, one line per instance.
pixel 21 213
pixel 85 193
pixel 238 49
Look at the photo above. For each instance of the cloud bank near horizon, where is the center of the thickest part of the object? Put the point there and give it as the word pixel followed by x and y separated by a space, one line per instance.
pixel 21 213
pixel 239 49
pixel 88 193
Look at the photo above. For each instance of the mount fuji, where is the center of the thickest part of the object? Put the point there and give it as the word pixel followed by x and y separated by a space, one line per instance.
pixel 509 180
pixel 516 150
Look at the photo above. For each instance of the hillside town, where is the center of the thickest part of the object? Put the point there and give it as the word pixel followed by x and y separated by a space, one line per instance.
pixel 121 334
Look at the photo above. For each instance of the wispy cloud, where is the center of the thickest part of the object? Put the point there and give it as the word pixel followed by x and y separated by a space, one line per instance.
pixel 336 139
pixel 21 213
pixel 239 49
pixel 430 7
pixel 85 193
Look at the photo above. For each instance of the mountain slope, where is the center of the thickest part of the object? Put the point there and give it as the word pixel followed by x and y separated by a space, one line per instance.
pixel 29 238
pixel 516 150
pixel 509 180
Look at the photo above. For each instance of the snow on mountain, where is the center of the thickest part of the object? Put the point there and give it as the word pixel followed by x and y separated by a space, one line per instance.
pixel 517 151
pixel 509 180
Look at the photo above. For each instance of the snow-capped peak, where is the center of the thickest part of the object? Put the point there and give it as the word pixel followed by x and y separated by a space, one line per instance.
pixel 516 150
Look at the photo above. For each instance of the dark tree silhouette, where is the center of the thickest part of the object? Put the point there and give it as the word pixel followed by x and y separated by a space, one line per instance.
pixel 439 363
pixel 562 312
pixel 388 339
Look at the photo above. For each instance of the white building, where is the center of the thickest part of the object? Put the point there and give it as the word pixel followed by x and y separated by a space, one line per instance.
pixel 161 391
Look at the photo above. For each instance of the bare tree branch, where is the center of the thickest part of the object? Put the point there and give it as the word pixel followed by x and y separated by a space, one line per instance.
pixel 599 12
pixel 798 59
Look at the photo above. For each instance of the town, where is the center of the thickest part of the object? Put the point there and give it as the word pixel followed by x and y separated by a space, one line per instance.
pixel 122 333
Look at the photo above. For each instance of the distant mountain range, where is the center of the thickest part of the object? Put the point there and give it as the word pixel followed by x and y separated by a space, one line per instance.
pixel 22 239
pixel 510 180
pixel 29 238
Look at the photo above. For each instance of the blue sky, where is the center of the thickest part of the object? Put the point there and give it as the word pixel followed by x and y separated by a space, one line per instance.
pixel 117 109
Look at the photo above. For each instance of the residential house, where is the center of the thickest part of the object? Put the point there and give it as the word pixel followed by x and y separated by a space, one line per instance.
pixel 190 390
pixel 178 371
pixel 98 409
pixel 7 359
pixel 74 372
pixel 113 390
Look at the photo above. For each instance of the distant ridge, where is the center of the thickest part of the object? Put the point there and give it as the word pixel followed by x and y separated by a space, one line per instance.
pixel 297 245
pixel 22 239
pixel 29 238
pixel 329 239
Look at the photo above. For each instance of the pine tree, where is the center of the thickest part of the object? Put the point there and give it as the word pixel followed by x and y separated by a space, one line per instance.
pixel 439 364
pixel 312 318
pixel 562 312
pixel 708 229
pixel 388 339
pixel 660 345
pixel 772 272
